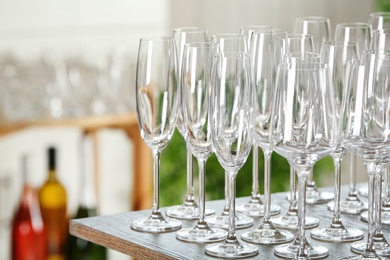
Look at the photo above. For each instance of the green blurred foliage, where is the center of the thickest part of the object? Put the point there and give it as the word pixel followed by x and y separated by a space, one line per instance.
pixel 173 174
pixel 383 5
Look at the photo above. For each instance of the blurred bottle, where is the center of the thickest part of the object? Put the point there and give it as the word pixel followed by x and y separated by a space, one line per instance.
pixel 53 201
pixel 29 239
pixel 78 248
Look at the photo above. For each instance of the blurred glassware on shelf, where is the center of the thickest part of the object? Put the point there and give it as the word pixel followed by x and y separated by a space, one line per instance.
pixel 55 86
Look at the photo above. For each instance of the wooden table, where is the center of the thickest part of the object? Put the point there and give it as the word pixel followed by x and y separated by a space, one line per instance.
pixel 113 231
pixel 142 168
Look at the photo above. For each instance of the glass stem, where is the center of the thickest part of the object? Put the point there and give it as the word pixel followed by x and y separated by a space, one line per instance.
pixel 156 183
pixel 202 191
pixel 293 196
pixel 255 172
pixel 337 190
pixel 371 209
pixel 386 199
pixel 231 192
pixel 352 174
pixel 267 184
pixel 226 206
pixel 378 202
pixel 302 179
pixel 190 176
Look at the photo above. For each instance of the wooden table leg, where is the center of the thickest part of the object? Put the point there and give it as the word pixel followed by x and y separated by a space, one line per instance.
pixel 143 171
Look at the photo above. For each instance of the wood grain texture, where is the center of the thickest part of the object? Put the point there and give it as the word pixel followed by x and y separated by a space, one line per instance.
pixel 113 231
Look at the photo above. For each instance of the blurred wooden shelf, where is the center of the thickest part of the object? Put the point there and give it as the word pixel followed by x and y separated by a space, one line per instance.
pixel 88 123
pixel 142 187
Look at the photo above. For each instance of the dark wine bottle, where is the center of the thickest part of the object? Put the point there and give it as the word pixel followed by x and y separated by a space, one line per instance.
pixel 53 202
pixel 28 234
pixel 78 248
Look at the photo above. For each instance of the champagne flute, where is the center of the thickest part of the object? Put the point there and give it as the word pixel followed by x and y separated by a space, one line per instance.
pixel 300 43
pixel 303 129
pixel 336 55
pixel 194 103
pixel 365 122
pixel 317 26
pixel 290 219
pixel 360 33
pixel 379 20
pixel 354 32
pixel 156 102
pixel 255 207
pixel 262 53
pixel 380 39
pixel 231 104
pixel 228 42
pixel 189 209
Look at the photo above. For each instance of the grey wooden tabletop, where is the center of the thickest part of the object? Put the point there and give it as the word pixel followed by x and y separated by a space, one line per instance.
pixel 113 231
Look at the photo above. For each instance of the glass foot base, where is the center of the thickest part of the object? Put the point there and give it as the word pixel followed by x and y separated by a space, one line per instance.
pixel 291 251
pixel 267 234
pixel 385 217
pixel 363 257
pixel 231 249
pixel 201 235
pixel 363 191
pixel 349 206
pixel 337 234
pixel 256 209
pixel 187 211
pixel 381 246
pixel 291 222
pixel 155 224
pixel 316 197
pixel 319 197
pixel 222 221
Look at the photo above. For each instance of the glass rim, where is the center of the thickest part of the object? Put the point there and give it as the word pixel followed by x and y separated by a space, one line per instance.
pixel 199 45
pixel 156 38
pixel 254 26
pixel 307 66
pixel 231 54
pixel 227 36
pixel 340 43
pixel 190 29
pixel 381 31
pixel 380 14
pixel 313 18
pixel 354 25
pixel 299 36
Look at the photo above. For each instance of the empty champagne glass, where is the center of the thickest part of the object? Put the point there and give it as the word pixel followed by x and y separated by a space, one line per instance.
pixel 337 55
pixel 303 129
pixel 290 219
pixel 360 33
pixel 189 208
pixel 263 60
pixel 157 102
pixel 221 43
pixel 231 104
pixel 379 20
pixel 380 39
pixel 255 207
pixel 366 120
pixel 354 32
pixel 195 85
pixel 317 26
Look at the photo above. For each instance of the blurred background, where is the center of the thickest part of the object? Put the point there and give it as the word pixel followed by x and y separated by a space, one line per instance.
pixel 99 39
